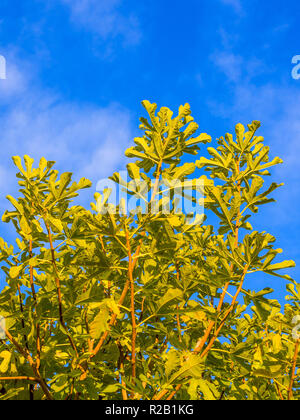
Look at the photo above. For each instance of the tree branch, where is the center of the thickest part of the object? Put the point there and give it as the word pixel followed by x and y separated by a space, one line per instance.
pixel 58 287
pixel 132 308
pixel 293 375
pixel 34 368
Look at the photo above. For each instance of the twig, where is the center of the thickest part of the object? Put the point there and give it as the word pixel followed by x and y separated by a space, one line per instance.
pixel 120 303
pixel 38 338
pixel 121 368
pixel 31 390
pixel 293 375
pixel 201 342
pixel 19 378
pixel 58 287
pixel 215 336
pixel 229 310
pixel 132 308
pixel 177 313
pixel 28 357
pixel 174 392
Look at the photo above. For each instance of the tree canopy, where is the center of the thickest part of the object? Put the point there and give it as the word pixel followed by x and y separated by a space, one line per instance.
pixel 152 304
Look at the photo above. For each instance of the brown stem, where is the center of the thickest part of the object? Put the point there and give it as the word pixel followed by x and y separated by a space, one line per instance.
pixel 202 341
pixel 222 396
pixel 34 368
pixel 121 368
pixel 57 280
pixel 200 344
pixel 38 338
pixel 215 336
pixel 142 310
pixel 22 317
pixel 177 314
pixel 279 391
pixel 293 375
pixel 178 387
pixel 156 184
pixel 229 310
pixel 19 378
pixel 90 341
pixel 104 252
pixel 132 308
pixel 31 390
pixel 178 324
pixel 111 322
pixel 31 273
pixel 58 288
pixel 120 303
pixel 69 397
pixel 129 283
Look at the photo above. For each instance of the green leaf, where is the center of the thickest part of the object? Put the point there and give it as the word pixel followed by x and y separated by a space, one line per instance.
pixel 6 356
pixel 169 297
pixel 277 343
pixel 206 388
pixel 15 271
pixel 281 266
pixel 99 324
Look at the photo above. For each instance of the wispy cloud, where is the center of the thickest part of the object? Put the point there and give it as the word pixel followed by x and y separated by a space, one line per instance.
pixel 85 138
pixel 282 28
pixel 105 19
pixel 277 107
pixel 235 4
pixel 236 68
pixel 275 102
pixel 229 64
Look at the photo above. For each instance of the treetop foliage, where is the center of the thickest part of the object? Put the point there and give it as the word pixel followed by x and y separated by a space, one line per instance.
pixel 102 303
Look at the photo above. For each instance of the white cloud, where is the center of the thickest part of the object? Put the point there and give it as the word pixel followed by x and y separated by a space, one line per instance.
pixel 235 68
pixel 104 18
pixel 229 64
pixel 235 4
pixel 282 28
pixel 14 83
pixel 276 104
pixel 83 138
pixel 66 132
pixel 277 107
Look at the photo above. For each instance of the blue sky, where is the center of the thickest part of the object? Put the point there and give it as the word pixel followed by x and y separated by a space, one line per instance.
pixel 77 71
